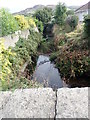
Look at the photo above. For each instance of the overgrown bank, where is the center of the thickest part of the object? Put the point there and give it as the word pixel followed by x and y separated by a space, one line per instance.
pixel 13 59
pixel 70 50
pixel 72 55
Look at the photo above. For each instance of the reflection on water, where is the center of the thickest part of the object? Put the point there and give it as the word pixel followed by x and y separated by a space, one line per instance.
pixel 47 74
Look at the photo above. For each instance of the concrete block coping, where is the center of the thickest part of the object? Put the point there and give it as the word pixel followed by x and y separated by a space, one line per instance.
pixel 45 103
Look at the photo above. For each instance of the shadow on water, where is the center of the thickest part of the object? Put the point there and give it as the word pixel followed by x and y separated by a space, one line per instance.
pixel 46 73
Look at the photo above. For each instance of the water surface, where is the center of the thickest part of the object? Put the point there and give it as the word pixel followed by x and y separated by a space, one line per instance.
pixel 46 73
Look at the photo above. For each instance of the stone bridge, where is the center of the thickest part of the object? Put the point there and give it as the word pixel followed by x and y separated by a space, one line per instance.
pixel 45 103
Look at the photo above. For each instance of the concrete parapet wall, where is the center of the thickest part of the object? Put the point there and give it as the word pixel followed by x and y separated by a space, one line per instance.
pixel 45 103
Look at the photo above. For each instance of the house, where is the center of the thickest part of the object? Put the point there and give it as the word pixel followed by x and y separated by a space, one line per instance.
pixel 82 11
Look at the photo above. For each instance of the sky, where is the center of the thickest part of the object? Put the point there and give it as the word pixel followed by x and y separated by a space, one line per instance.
pixel 18 5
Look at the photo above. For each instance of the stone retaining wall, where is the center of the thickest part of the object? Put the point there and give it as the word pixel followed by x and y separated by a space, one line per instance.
pixel 10 40
pixel 45 103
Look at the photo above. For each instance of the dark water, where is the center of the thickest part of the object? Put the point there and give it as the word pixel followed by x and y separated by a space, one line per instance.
pixel 47 74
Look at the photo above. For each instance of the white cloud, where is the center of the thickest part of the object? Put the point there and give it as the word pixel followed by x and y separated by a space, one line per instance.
pixel 17 5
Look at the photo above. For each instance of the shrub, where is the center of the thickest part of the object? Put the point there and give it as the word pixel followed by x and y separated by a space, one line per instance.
pixel 12 60
pixel 73 64
pixel 73 59
pixel 44 15
pixel 54 56
pixel 39 25
pixel 22 22
pixel 31 22
pixel 70 12
pixel 8 23
pixel 87 28
pixel 5 65
pixel 60 14
pixel 87 25
pixel 72 21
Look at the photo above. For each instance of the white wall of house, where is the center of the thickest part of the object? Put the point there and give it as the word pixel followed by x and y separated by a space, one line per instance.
pixel 81 15
pixel 89 11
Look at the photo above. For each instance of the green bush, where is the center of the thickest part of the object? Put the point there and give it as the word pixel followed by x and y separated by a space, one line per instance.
pixel 26 49
pixel 8 23
pixel 39 25
pixel 60 14
pixel 70 12
pixel 44 15
pixel 54 56
pixel 72 21
pixel 87 28
pixel 12 60
pixel 87 25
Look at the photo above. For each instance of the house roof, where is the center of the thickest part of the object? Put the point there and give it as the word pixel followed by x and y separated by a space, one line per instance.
pixel 84 7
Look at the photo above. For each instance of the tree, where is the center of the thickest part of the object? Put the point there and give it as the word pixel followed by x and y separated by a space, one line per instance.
pixel 44 15
pixel 72 21
pixel 87 25
pixel 60 14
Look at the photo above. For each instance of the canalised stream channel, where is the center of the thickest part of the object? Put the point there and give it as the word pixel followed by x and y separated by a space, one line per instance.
pixel 46 73
pixel 49 76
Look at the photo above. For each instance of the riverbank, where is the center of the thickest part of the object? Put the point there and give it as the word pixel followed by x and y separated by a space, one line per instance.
pixel 13 59
pixel 71 54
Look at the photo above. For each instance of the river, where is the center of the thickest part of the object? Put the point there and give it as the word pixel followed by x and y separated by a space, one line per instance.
pixel 46 73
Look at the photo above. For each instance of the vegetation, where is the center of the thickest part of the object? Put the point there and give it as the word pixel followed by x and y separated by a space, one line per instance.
pixel 5 64
pixel 12 60
pixel 31 22
pixel 60 14
pixel 46 46
pixel 86 28
pixel 72 21
pixel 39 25
pixel 70 12
pixel 8 23
pixel 22 22
pixel 87 25
pixel 44 15
pixel 73 56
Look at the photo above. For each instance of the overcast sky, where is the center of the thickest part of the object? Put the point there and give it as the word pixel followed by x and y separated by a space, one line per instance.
pixel 17 5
